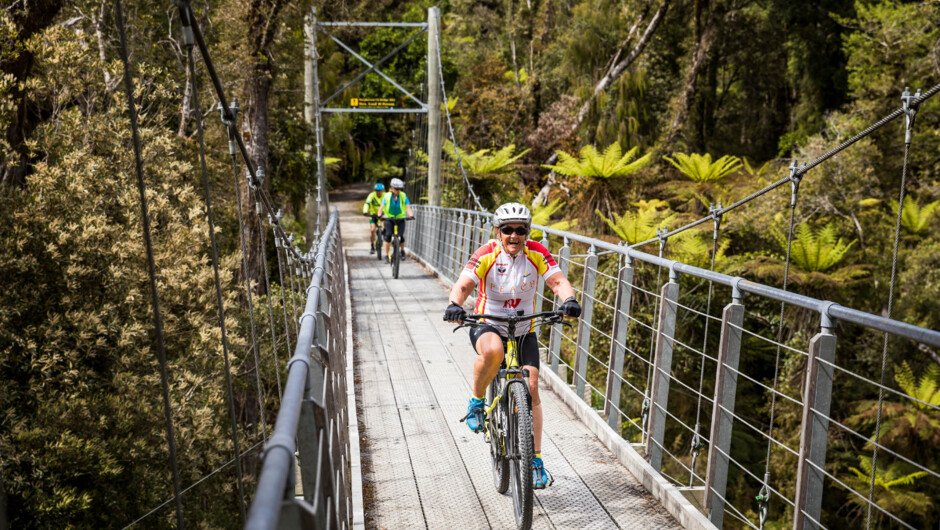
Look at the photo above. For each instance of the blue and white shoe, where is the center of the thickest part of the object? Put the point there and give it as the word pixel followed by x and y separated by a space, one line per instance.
pixel 541 478
pixel 474 417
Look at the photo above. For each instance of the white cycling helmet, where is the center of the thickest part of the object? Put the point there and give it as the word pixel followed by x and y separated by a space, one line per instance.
pixel 398 184
pixel 512 212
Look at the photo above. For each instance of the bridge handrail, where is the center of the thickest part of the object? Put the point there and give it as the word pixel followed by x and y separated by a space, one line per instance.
pixel 825 308
pixel 444 239
pixel 310 381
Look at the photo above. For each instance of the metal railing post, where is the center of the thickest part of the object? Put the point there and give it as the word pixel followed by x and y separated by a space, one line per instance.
pixel 555 340
pixel 726 384
pixel 466 246
pixel 814 433
pixel 583 349
pixel 662 368
pixel 618 343
pixel 453 228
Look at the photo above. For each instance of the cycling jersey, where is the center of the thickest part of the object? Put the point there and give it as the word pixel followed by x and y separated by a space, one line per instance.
pixel 373 203
pixel 393 208
pixel 508 284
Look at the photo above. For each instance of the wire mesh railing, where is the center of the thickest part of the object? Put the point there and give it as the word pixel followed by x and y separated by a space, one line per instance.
pixel 313 420
pixel 696 404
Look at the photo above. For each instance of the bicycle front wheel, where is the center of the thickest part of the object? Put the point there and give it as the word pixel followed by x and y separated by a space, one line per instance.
pixel 522 447
pixel 496 426
pixel 396 256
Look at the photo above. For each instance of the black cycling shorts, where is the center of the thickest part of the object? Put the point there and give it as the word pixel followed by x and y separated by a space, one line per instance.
pixel 528 344
pixel 389 223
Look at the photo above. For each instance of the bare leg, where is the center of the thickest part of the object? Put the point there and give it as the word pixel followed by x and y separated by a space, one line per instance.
pixel 486 366
pixel 536 407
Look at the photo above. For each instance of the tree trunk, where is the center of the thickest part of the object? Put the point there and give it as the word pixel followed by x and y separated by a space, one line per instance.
pixel 613 73
pixel 262 25
pixel 699 55
pixel 29 18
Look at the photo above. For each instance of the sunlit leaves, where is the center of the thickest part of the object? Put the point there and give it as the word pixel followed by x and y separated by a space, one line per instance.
pixel 641 224
pixel 701 168
pixel 592 164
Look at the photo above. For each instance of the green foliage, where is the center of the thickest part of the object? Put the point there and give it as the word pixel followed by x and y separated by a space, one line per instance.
pixel 593 165
pixel 906 424
pixel 915 219
pixel 481 163
pixel 641 224
pixel 896 490
pixel 542 215
pixel 815 250
pixel 700 168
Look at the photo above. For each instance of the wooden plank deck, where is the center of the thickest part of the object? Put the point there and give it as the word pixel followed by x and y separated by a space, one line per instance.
pixel 421 467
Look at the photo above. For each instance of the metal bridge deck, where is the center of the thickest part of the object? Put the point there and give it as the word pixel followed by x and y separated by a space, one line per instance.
pixel 423 469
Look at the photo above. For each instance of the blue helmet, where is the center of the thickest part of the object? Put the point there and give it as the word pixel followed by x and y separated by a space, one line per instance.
pixel 379 186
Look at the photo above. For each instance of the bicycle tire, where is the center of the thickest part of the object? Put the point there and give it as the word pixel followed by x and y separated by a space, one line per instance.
pixel 496 425
pixel 377 244
pixel 396 256
pixel 521 443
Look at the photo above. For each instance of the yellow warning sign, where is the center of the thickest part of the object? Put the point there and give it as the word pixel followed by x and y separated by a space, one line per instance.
pixel 372 103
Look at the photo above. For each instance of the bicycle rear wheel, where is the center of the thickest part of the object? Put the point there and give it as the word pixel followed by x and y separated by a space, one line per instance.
pixel 396 256
pixel 522 448
pixel 496 426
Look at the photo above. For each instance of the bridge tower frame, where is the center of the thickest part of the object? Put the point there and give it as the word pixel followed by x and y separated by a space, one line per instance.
pixel 317 209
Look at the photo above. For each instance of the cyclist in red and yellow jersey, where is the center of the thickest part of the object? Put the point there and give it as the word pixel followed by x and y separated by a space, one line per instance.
pixel 506 272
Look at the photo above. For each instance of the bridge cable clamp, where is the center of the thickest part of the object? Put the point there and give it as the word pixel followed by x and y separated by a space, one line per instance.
pixel 795 177
pixel 716 213
pixel 186 19
pixel 763 498
pixel 909 111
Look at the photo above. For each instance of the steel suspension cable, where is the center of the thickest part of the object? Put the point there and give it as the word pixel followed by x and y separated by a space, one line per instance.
pixel 910 110
pixel 151 266
pixel 251 308
pixel 697 444
pixel 280 273
pixel 913 102
pixel 763 497
pixel 450 127
pixel 649 366
pixel 233 418
pixel 267 290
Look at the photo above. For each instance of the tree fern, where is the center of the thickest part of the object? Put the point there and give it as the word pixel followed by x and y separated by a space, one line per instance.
pixel 895 489
pixel 592 164
pixel 700 168
pixel 542 214
pixel 916 218
pixel 815 251
pixel 481 163
pixel 640 225
pixel 695 248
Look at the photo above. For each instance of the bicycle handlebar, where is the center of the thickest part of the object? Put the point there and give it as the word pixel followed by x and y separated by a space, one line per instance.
pixel 548 317
pixel 516 318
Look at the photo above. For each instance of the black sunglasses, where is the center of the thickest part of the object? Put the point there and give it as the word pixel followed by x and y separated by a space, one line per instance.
pixel 508 230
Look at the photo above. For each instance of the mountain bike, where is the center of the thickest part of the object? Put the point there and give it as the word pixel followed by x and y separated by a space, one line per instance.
pixel 395 258
pixel 508 416
pixel 375 238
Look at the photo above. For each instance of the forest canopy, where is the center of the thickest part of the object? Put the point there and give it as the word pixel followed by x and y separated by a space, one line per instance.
pixel 637 114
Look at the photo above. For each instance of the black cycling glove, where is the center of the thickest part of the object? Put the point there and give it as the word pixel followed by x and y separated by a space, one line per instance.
pixel 455 313
pixel 571 307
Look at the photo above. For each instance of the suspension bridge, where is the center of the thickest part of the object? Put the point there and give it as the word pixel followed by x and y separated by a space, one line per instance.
pixel 366 434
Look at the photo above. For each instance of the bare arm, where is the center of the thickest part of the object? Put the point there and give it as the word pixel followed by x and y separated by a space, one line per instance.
pixel 462 289
pixel 560 286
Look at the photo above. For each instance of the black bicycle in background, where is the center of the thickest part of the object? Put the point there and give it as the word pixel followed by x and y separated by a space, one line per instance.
pixel 375 238
pixel 395 258
pixel 508 417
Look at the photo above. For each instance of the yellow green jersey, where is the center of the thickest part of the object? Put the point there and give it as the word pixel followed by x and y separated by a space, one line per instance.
pixel 393 208
pixel 373 203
